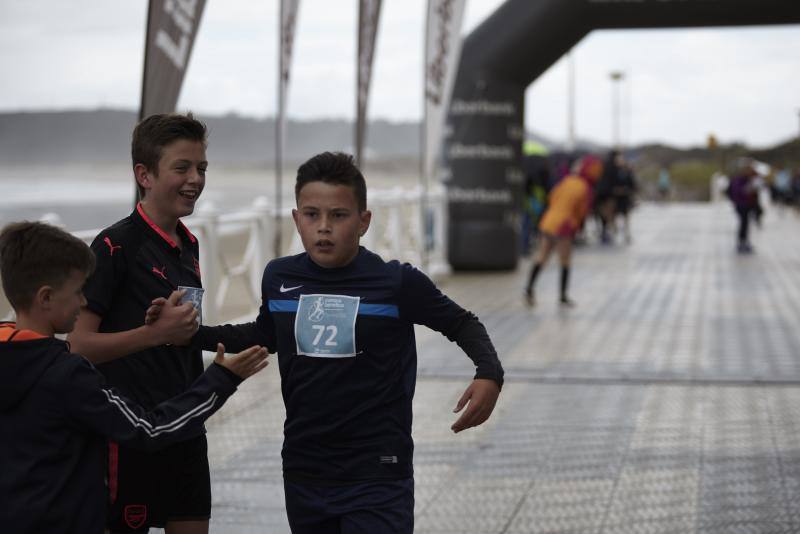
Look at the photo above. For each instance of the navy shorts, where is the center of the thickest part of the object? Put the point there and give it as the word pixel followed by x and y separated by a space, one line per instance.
pixel 147 489
pixel 385 506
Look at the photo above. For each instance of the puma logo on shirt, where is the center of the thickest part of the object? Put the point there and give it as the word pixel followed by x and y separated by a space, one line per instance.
pixel 111 247
pixel 161 272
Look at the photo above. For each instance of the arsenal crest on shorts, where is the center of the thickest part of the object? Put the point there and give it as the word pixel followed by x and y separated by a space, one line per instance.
pixel 135 515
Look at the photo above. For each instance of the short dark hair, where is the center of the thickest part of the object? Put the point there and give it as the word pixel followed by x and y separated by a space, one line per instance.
pixel 35 254
pixel 335 168
pixel 155 132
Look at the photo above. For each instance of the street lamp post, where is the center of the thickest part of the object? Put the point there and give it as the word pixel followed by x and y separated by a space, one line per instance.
pixel 616 77
pixel 798 131
pixel 571 102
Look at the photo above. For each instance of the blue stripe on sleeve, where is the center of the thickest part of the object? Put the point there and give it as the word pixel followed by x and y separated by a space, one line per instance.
pixel 385 310
pixel 283 305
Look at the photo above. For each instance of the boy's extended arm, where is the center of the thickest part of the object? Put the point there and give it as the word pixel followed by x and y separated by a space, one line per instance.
pixel 425 304
pixel 469 333
pixel 104 411
pixel 177 323
pixel 481 395
pixel 236 337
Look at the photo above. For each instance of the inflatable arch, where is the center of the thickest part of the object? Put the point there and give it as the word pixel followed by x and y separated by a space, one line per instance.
pixel 504 55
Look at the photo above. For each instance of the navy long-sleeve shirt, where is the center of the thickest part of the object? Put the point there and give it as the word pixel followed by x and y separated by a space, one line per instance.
pixel 348 360
pixel 56 413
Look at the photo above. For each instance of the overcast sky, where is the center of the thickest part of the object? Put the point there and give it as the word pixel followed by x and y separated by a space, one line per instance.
pixel 680 85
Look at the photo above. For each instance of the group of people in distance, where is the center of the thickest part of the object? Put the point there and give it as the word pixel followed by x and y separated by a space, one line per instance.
pixel 104 431
pixel 608 188
pixel 591 185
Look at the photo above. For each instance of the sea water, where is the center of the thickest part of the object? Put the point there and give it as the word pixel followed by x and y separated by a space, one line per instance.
pixel 91 197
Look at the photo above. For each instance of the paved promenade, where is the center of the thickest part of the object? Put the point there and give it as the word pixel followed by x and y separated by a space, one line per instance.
pixel 668 400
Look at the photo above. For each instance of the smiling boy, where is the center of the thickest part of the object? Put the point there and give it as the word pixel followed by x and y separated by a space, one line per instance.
pixel 342 320
pixel 147 255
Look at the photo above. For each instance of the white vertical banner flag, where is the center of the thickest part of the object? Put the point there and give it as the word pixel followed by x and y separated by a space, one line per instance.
pixel 369 12
pixel 288 17
pixel 442 50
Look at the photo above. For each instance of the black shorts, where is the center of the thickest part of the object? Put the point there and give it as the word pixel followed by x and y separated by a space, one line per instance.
pixel 384 506
pixel 147 489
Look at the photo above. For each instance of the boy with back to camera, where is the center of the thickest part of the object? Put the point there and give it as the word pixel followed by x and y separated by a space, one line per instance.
pixel 342 321
pixel 55 411
pixel 149 254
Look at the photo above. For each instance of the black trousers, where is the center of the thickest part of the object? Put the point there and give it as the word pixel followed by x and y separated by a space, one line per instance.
pixel 744 223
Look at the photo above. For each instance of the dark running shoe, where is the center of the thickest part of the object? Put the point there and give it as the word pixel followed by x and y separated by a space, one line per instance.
pixel 529 300
pixel 567 302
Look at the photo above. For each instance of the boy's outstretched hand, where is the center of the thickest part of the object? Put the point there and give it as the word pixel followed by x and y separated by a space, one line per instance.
pixel 171 321
pixel 152 313
pixel 157 304
pixel 246 363
pixel 482 396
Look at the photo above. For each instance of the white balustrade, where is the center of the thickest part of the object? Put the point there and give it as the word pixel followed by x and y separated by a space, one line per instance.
pixel 236 246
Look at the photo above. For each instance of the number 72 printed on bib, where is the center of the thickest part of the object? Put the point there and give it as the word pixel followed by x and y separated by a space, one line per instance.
pixel 325 326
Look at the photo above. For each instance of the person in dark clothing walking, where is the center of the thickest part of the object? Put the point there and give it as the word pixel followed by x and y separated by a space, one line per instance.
pixel 744 196
pixel 624 189
pixel 604 202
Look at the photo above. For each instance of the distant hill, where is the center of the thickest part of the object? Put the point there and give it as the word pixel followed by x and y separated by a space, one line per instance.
pixel 782 154
pixel 103 136
pixel 723 156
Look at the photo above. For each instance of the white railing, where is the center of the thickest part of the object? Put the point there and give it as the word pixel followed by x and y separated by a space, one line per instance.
pixel 235 246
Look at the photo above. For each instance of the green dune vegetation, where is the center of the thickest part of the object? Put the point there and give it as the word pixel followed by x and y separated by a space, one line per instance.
pixel 691 169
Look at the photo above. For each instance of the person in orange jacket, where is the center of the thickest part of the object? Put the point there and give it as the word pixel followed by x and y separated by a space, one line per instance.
pixel 568 204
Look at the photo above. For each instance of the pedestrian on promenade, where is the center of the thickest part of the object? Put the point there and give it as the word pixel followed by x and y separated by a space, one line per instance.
pixel 567 206
pixel 664 185
pixel 624 191
pixel 55 410
pixel 604 203
pixel 342 321
pixel 537 184
pixel 781 189
pixel 743 193
pixel 796 186
pixel 146 255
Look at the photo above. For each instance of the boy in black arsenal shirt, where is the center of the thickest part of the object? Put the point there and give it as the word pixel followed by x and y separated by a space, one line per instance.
pixel 147 255
pixel 342 321
pixel 55 410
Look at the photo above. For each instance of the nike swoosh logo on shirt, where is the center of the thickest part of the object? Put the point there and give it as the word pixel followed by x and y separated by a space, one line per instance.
pixel 285 289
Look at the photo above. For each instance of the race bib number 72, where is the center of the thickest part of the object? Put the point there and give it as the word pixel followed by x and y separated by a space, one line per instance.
pixel 325 326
